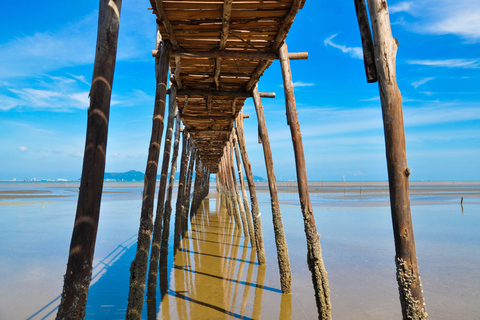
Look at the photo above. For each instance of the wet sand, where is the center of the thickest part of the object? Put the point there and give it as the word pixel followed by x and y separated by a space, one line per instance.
pixel 214 274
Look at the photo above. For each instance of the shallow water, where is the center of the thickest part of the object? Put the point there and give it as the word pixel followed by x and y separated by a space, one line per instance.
pixel 214 275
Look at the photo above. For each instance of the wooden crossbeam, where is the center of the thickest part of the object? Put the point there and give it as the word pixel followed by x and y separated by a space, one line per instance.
pixel 230 54
pixel 227 14
pixel 222 93
pixel 286 24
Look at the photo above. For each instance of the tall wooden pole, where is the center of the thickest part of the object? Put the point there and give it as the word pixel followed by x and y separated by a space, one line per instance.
pixel 138 269
pixel 409 284
pixel 157 227
pixel 257 222
pixel 82 245
pixel 168 201
pixel 246 206
pixel 236 197
pixel 179 212
pixel 314 256
pixel 280 241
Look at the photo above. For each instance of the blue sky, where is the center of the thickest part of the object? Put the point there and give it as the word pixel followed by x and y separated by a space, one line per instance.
pixel 46 61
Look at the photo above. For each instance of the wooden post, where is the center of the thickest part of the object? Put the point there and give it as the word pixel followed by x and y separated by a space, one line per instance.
pixel 231 186
pixel 196 185
pixel 168 201
pixel 314 256
pixel 367 41
pixel 82 245
pixel 280 241
pixel 157 228
pixel 138 269
pixel 257 223
pixel 188 186
pixel 235 195
pixel 409 283
pixel 244 192
pixel 179 213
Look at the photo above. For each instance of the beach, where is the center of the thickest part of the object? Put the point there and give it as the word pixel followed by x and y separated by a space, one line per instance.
pixel 214 274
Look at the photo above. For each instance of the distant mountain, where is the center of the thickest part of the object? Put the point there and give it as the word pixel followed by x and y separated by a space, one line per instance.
pixel 131 175
pixel 137 176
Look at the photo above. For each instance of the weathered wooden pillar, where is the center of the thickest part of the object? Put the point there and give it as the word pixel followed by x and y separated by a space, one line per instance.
pixel 408 277
pixel 157 227
pixel 168 201
pixel 179 212
pixel 82 245
pixel 138 269
pixel 196 186
pixel 257 222
pixel 231 185
pixel 314 256
pixel 246 206
pixel 367 42
pixel 280 241
pixel 236 197
pixel 188 185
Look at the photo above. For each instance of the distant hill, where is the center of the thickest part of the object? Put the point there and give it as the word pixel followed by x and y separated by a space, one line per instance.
pixel 137 176
pixel 131 175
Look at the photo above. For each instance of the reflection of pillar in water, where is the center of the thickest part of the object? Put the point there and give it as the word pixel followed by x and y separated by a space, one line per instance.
pixel 239 274
pixel 249 281
pixel 286 306
pixel 233 258
pixel 257 302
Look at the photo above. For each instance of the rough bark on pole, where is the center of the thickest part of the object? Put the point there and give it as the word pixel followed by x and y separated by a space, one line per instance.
pixel 157 227
pixel 367 41
pixel 238 203
pixel 409 284
pixel 280 241
pixel 257 223
pixel 82 245
pixel 168 201
pixel 246 206
pixel 231 192
pixel 314 256
pixel 138 269
pixel 188 186
pixel 179 213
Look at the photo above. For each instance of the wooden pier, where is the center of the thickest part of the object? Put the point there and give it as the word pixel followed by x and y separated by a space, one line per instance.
pixel 209 58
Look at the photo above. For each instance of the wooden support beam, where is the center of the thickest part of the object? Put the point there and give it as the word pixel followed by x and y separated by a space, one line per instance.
pixel 138 269
pixel 168 201
pixel 221 93
pixel 238 202
pixel 257 222
pixel 286 24
pixel 408 277
pixel 280 241
pixel 230 54
pixel 246 206
pixel 159 217
pixel 162 18
pixel 367 41
pixel 178 68
pixel 314 256
pixel 82 245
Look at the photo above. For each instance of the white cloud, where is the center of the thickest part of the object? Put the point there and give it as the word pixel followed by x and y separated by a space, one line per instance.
pixel 400 7
pixel 297 84
pixel 449 63
pixel 22 148
pixel 77 155
pixel 354 52
pixel 418 83
pixel 457 17
pixel 372 99
pixel 46 93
